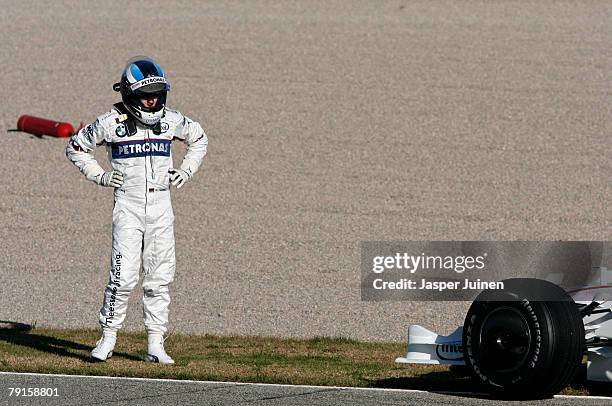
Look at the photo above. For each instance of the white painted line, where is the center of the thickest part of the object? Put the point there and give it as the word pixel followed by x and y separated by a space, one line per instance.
pixel 281 385
pixel 583 397
pixel 234 383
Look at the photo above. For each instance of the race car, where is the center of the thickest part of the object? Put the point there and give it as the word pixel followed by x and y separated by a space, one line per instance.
pixel 521 343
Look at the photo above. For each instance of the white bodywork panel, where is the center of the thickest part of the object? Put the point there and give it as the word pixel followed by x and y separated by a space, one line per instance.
pixel 427 347
pixel 597 327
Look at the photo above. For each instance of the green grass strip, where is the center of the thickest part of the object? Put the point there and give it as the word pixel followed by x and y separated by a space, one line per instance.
pixel 318 361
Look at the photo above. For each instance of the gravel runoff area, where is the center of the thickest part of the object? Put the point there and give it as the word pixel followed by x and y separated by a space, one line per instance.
pixel 79 390
pixel 330 123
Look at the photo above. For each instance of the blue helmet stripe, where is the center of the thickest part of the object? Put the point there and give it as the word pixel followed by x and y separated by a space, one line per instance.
pixel 135 70
pixel 159 71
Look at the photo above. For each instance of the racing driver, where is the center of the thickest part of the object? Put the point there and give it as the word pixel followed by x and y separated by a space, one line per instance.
pixel 137 134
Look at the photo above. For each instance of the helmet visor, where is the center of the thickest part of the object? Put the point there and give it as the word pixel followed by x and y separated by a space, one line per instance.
pixel 152 89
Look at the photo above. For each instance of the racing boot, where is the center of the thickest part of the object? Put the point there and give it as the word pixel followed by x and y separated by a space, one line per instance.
pixel 156 352
pixel 104 346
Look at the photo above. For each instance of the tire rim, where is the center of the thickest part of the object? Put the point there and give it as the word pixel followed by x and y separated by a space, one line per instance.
pixel 505 340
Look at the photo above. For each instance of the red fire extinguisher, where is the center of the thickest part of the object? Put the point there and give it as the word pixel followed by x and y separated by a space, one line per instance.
pixel 41 126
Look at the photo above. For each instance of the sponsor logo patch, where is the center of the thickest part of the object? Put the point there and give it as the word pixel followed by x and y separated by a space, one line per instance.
pixel 450 351
pixel 148 81
pixel 116 283
pixel 121 131
pixel 89 131
pixel 164 127
pixel 135 149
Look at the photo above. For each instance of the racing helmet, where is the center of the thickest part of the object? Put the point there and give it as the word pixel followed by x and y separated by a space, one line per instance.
pixel 143 78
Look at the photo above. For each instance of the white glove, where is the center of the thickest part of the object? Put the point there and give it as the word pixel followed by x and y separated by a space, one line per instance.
pixel 111 179
pixel 178 177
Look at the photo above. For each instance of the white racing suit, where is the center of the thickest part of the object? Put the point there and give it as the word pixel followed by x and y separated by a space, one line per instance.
pixel 143 219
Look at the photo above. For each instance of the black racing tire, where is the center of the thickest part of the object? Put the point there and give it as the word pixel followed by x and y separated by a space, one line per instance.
pixel 519 347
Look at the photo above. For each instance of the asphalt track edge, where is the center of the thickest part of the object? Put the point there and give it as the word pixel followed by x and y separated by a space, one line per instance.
pixel 284 385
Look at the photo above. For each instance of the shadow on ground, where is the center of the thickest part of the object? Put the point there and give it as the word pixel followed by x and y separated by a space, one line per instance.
pixel 459 383
pixel 436 381
pixel 21 334
pixel 599 389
